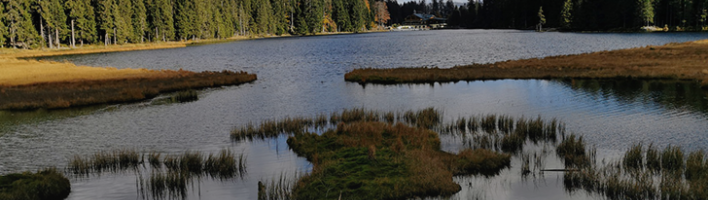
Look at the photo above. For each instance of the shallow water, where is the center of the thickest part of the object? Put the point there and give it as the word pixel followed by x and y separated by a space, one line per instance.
pixel 303 76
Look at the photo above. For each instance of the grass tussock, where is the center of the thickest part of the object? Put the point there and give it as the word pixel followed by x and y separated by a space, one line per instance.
pixel 278 188
pixel 184 96
pixel 427 118
pixel 646 174
pixel 681 61
pixel 47 184
pixel 573 152
pixel 505 133
pixel 80 93
pixel 376 160
pixel 105 161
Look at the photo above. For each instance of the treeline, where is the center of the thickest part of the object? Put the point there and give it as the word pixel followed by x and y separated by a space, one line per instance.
pixel 576 15
pixel 51 23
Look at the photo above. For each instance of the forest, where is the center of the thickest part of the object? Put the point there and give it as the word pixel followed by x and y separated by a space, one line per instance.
pixel 568 15
pixel 31 24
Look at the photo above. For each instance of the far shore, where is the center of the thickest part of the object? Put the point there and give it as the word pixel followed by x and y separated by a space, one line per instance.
pixel 678 61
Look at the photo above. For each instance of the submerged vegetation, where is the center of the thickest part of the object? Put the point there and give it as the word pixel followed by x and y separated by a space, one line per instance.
pixel 80 93
pixel 47 184
pixel 672 61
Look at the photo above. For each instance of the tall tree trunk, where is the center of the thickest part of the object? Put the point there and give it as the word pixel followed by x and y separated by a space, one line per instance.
pixel 115 36
pixel 105 39
pixel 41 29
pixel 157 35
pixel 49 38
pixel 56 30
pixel 73 38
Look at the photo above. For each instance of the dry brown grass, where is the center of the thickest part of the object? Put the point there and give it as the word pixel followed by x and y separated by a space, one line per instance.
pixel 687 61
pixel 88 49
pixel 64 94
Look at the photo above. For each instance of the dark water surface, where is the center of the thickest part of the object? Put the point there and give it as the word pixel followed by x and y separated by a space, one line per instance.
pixel 304 77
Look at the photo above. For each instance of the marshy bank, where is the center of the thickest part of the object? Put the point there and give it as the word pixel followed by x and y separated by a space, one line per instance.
pixel 684 61
pixel 47 184
pixel 87 92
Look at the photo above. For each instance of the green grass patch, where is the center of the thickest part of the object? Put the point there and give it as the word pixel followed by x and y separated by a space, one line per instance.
pixel 375 160
pixel 47 184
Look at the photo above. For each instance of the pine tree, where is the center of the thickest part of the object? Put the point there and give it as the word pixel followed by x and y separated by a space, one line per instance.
pixel 76 11
pixel 124 22
pixel 341 15
pixel 139 20
pixel 358 15
pixel 52 11
pixel 3 28
pixel 566 18
pixel 106 19
pixel 161 19
pixel 541 19
pixel 21 32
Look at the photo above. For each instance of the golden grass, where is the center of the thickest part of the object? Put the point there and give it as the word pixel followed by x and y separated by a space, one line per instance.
pixel 88 49
pixel 688 61
pixel 15 72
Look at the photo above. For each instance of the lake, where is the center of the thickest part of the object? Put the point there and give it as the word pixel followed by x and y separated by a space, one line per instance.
pixel 304 76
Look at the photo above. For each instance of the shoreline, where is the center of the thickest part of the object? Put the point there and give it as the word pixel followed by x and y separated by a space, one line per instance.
pixel 676 61
pixel 99 48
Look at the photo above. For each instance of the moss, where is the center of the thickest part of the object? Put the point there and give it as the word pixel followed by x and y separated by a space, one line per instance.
pixel 46 184
pixel 375 160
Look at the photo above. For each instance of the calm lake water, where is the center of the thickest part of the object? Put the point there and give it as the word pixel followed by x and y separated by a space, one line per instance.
pixel 303 76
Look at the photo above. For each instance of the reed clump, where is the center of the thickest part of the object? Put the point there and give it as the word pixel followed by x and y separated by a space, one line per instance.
pixel 46 184
pixel 278 188
pixel 184 96
pixel 501 132
pixel 646 175
pixel 105 161
pixel 376 160
pixel 573 153
pixel 427 118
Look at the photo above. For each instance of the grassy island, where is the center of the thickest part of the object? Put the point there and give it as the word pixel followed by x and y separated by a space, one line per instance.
pixel 685 61
pixel 47 184
pixel 375 160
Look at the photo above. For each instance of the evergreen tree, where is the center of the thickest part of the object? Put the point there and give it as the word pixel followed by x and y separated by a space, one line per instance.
pixel 21 32
pixel 139 20
pixel 86 23
pixel 161 18
pixel 358 15
pixel 341 16
pixel 3 28
pixel 52 11
pixel 646 11
pixel 541 19
pixel 124 23
pixel 104 13
pixel 566 18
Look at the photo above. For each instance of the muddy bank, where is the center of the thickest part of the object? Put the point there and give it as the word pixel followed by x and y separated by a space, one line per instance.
pixel 685 61
pixel 87 92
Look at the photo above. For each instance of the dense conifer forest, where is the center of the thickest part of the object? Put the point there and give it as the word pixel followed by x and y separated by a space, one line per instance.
pixel 69 23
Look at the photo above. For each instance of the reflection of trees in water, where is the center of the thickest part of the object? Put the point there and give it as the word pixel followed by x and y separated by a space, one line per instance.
pixel 670 94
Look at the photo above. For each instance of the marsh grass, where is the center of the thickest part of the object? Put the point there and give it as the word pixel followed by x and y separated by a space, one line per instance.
pixel 278 188
pixel 81 93
pixel 184 96
pixel 646 175
pixel 573 152
pixel 105 161
pixel 43 185
pixel 505 133
pixel 427 118
pixel 672 62
pixel 376 160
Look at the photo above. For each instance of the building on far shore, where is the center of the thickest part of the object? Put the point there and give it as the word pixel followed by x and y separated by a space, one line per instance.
pixel 419 21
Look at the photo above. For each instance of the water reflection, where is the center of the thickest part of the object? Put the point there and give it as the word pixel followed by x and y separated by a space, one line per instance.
pixel 304 77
